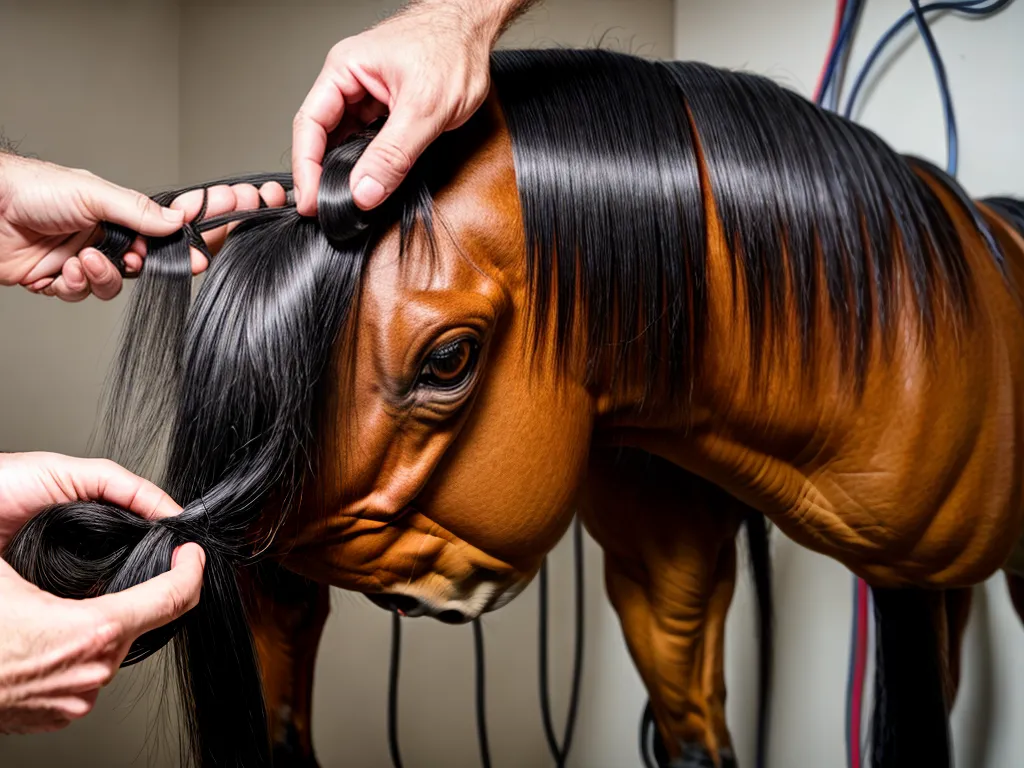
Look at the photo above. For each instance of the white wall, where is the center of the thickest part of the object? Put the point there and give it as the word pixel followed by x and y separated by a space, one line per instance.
pixel 787 40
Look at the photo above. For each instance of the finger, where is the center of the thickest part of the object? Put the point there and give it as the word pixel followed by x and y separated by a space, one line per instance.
pixel 109 202
pixel 391 155
pixel 39 285
pixel 319 114
pixel 132 262
pixel 62 709
pixel 273 194
pixel 103 480
pixel 219 200
pixel 244 197
pixel 160 600
pixel 71 284
pixel 247 198
pixel 139 245
pixel 58 251
pixel 104 279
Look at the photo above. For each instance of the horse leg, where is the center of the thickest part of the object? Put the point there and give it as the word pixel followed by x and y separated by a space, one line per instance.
pixel 287 615
pixel 670 565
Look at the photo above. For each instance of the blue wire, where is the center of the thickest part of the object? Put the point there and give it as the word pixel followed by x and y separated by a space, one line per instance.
pixel 972 7
pixel 830 87
pixel 963 6
pixel 940 75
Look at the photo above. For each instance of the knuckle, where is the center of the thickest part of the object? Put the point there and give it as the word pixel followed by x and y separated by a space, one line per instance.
pixel 144 204
pixel 338 54
pixel 106 465
pixel 175 603
pixel 394 157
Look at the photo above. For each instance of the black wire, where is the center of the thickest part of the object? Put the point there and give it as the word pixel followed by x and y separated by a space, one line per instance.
pixel 542 663
pixel 647 736
pixel 396 653
pixel 952 149
pixel 560 753
pixel 481 694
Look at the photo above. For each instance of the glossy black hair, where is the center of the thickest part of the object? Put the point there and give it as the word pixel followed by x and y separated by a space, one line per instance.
pixel 613 158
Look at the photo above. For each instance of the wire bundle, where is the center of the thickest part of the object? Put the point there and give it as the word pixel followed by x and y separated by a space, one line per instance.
pixel 827 95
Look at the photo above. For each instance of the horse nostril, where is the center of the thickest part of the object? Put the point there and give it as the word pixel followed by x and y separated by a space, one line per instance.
pixel 452 617
pixel 403 604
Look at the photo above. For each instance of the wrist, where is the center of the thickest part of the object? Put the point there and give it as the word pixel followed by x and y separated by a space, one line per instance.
pixel 484 20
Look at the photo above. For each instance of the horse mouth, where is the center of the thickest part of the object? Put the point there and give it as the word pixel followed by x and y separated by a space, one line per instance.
pixel 406 605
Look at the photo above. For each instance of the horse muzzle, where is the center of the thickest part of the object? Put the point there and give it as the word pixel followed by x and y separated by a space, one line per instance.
pixel 407 605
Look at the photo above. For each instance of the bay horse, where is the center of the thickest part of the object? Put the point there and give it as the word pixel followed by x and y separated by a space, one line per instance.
pixel 614 254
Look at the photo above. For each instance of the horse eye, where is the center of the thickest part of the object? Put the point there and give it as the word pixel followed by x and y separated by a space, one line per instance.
pixel 449 366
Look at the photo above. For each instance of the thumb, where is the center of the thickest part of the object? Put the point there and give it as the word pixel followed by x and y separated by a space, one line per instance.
pixel 391 155
pixel 109 202
pixel 160 600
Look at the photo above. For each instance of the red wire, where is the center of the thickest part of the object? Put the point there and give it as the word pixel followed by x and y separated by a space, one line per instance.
pixel 859 668
pixel 840 10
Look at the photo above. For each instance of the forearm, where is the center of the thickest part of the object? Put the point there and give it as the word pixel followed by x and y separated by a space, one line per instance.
pixel 489 18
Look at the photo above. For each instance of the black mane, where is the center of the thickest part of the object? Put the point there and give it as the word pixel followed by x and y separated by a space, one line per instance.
pixel 609 151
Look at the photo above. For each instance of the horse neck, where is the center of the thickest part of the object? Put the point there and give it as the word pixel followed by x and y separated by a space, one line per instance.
pixel 735 412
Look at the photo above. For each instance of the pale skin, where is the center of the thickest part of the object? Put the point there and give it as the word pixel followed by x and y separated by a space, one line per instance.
pixel 427 67
pixel 56 654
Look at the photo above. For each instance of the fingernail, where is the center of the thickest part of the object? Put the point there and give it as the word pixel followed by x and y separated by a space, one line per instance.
pixel 202 556
pixel 368 192
pixel 172 215
pixel 174 556
pixel 93 261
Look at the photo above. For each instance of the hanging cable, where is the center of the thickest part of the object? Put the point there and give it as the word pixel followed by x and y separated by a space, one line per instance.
pixel 970 7
pixel 560 752
pixel 856 674
pixel 940 75
pixel 481 694
pixel 396 654
pixel 647 737
pixel 917 13
pixel 837 27
pixel 831 79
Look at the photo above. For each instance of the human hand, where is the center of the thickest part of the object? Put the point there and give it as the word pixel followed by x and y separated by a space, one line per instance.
pixel 428 66
pixel 50 218
pixel 56 654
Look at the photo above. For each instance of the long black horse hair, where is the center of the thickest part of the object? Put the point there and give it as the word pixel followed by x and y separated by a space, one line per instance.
pixel 612 155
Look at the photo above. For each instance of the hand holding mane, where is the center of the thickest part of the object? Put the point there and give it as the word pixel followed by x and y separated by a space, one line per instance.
pixel 56 653
pixel 51 219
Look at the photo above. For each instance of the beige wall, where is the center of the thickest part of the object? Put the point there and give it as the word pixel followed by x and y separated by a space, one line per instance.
pixel 151 94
